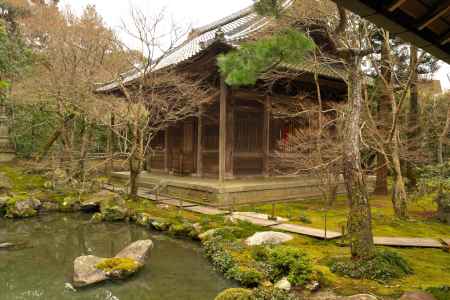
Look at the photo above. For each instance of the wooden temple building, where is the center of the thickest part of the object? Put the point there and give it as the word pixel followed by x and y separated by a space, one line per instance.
pixel 225 154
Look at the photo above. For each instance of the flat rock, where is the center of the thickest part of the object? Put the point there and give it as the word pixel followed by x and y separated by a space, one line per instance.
pixel 137 251
pixel 417 296
pixel 85 272
pixel 268 237
pixel 283 284
pixel 205 210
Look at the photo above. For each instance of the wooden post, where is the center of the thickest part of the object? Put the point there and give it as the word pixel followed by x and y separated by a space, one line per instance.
pixel 229 145
pixel 266 135
pixel 223 128
pixel 166 150
pixel 200 143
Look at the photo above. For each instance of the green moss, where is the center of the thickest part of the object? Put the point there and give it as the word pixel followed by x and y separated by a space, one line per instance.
pixel 125 265
pixel 440 293
pixel 22 182
pixel 383 267
pixel 235 294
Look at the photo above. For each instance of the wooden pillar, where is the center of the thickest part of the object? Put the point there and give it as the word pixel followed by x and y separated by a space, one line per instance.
pixel 229 155
pixel 226 128
pixel 200 143
pixel 167 156
pixel 266 135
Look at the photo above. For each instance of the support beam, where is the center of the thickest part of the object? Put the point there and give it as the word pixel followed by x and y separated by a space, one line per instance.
pixel 395 4
pixel 266 135
pixel 226 133
pixel 439 11
pixel 200 142
pixel 229 145
pixel 445 38
pixel 224 91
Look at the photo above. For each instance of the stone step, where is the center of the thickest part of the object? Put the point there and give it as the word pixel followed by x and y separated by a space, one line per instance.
pixel 178 203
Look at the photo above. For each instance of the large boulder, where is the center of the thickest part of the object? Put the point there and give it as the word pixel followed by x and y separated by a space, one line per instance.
pixel 94 201
pixel 137 251
pixel 86 272
pixel 18 207
pixel 114 213
pixel 417 296
pixel 5 183
pixel 91 269
pixel 268 237
pixel 283 284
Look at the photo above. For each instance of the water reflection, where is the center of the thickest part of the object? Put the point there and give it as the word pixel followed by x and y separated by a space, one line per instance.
pixel 39 270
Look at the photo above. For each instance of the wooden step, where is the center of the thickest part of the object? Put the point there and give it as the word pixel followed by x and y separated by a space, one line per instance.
pixel 308 231
pixel 407 242
pixel 205 210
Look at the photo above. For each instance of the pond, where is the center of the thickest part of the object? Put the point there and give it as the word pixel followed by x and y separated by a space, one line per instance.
pixel 40 267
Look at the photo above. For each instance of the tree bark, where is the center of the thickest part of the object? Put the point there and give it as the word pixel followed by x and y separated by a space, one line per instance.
pixel 413 121
pixel 442 139
pixel 135 160
pixel 384 117
pixel 399 196
pixel 359 218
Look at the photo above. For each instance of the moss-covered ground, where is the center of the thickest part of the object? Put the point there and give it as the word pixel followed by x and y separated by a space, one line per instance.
pixel 431 267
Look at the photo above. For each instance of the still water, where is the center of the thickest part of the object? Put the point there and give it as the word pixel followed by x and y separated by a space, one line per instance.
pixel 43 263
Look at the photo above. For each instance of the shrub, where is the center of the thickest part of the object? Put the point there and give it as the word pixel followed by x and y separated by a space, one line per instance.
pixel 273 294
pixel 235 294
pixel 383 267
pixel 219 257
pixel 181 229
pixel 440 292
pixel 284 261
pixel 246 276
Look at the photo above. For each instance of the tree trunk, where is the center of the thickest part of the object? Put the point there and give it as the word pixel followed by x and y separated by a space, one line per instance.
pixel 359 218
pixel 86 135
pixel 135 161
pixel 413 121
pixel 442 138
pixel 110 148
pixel 384 116
pixel 399 196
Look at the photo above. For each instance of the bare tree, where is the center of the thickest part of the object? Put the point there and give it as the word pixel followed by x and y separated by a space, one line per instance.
pixel 157 95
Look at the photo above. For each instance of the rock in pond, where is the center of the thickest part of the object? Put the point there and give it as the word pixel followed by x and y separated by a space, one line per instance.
pixel 137 251
pixel 268 237
pixel 22 208
pixel 86 272
pixel 50 206
pixel 114 213
pixel 417 296
pixel 91 269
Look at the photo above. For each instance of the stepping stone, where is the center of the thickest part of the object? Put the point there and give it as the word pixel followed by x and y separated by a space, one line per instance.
pixel 256 221
pixel 206 210
pixel 177 203
pixel 447 241
pixel 259 216
pixel 314 232
pixel 407 242
pixel 151 196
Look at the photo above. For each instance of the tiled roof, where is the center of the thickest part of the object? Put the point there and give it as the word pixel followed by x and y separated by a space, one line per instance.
pixel 234 29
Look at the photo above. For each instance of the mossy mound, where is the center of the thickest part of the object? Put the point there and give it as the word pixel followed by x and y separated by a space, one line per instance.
pixel 69 204
pixel 440 292
pixel 21 206
pixel 235 294
pixel 383 267
pixel 118 267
